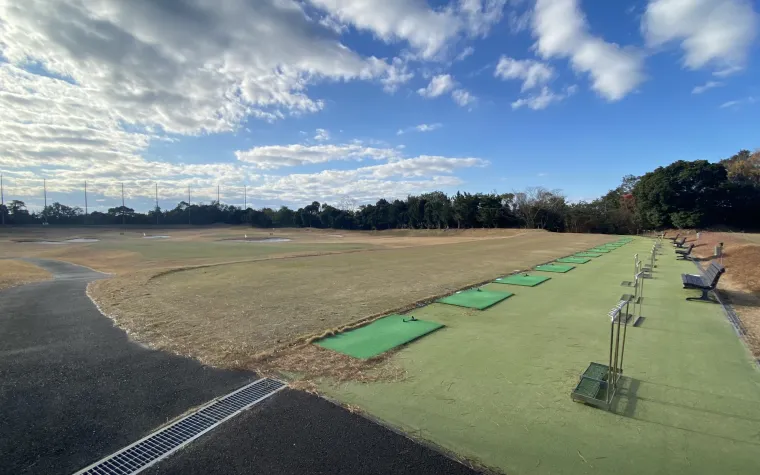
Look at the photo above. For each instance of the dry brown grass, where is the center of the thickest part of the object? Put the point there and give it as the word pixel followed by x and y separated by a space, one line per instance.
pixel 740 286
pixel 13 273
pixel 224 315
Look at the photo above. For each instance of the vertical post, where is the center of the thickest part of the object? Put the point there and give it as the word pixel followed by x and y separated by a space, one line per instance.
pixel 245 197
pixel 625 331
pixel 123 217
pixel 217 196
pixel 2 199
pixel 156 203
pixel 188 205
pixel 44 192
pixel 85 202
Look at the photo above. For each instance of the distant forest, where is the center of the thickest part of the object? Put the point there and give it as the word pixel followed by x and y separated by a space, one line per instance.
pixel 683 194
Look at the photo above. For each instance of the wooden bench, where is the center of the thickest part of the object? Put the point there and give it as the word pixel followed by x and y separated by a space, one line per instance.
pixel 705 283
pixel 680 243
pixel 674 238
pixel 684 254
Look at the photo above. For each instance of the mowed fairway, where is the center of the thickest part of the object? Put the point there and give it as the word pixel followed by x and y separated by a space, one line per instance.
pixel 225 314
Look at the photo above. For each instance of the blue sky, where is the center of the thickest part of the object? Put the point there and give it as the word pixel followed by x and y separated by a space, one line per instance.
pixel 333 99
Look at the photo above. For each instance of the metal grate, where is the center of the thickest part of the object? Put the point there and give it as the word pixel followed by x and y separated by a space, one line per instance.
pixel 160 444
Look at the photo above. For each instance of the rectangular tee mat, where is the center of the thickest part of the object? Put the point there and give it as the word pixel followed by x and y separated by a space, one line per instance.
pixel 574 260
pixel 555 268
pixel 522 279
pixel 379 336
pixel 588 254
pixel 475 298
pixel 598 249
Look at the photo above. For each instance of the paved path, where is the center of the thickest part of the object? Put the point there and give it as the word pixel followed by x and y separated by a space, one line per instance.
pixel 73 388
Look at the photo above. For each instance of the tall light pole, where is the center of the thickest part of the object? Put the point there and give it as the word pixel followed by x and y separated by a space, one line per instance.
pixel 218 202
pixel 85 202
pixel 245 197
pixel 156 203
pixel 123 216
pixel 44 192
pixel 188 205
pixel 2 200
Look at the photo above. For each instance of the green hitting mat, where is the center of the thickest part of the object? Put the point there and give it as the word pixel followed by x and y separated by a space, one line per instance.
pixel 599 249
pixel 475 298
pixel 588 254
pixel 379 336
pixel 522 279
pixel 555 268
pixel 574 260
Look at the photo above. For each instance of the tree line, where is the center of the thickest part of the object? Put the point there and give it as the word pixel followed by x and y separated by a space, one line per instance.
pixel 696 194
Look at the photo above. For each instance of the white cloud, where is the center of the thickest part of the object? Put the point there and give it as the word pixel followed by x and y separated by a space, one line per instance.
pixel 543 99
pixel 723 73
pixel 420 128
pixel 561 31
pixel 190 67
pixel 519 22
pixel 439 85
pixel 430 32
pixel 532 73
pixel 706 87
pixel 711 32
pixel 468 51
pixel 321 135
pixel 739 102
pixel 277 156
pixel 462 97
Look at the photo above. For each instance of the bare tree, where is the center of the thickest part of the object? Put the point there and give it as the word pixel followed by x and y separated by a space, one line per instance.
pixel 346 203
pixel 535 204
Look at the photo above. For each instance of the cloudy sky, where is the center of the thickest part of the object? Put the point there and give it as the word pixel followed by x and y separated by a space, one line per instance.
pixel 320 99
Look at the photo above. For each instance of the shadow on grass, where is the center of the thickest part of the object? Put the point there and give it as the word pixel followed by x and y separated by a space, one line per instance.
pixel 627 400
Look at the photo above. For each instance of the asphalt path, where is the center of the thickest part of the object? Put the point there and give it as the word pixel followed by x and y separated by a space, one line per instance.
pixel 74 388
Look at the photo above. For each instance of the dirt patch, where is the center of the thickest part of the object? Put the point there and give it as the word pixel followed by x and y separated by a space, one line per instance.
pixel 224 315
pixel 13 273
pixel 740 285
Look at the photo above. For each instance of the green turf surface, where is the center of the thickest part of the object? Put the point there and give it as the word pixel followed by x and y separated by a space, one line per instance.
pixel 522 279
pixel 555 268
pixel 379 336
pixel 574 260
pixel 599 249
pixel 495 386
pixel 475 298
pixel 588 254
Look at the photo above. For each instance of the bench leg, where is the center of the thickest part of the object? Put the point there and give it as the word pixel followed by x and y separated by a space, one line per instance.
pixel 702 298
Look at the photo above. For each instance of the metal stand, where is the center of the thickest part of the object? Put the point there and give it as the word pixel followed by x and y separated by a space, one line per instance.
pixel 599 383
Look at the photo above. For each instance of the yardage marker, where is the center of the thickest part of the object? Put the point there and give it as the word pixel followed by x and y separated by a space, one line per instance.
pixel 160 444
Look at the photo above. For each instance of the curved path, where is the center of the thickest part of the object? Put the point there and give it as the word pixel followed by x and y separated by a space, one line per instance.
pixel 73 388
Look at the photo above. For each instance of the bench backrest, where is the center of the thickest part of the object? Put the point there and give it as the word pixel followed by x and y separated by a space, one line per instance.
pixel 688 251
pixel 683 240
pixel 713 273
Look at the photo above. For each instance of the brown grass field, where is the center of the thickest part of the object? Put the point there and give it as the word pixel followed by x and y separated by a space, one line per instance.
pixel 13 273
pixel 226 303
pixel 740 286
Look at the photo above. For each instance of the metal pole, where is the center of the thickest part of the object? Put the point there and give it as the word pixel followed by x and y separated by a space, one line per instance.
pixel 245 197
pixel 625 331
pixel 156 203
pixel 123 217
pixel 217 196
pixel 44 192
pixel 85 202
pixel 2 199
pixel 188 205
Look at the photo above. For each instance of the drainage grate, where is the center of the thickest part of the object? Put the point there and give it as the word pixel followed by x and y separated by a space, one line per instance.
pixel 144 453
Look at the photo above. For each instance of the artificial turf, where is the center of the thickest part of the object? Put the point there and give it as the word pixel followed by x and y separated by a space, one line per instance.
pixel 495 387
pixel 573 260
pixel 379 336
pixel 525 280
pixel 599 249
pixel 560 268
pixel 475 298
pixel 588 254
